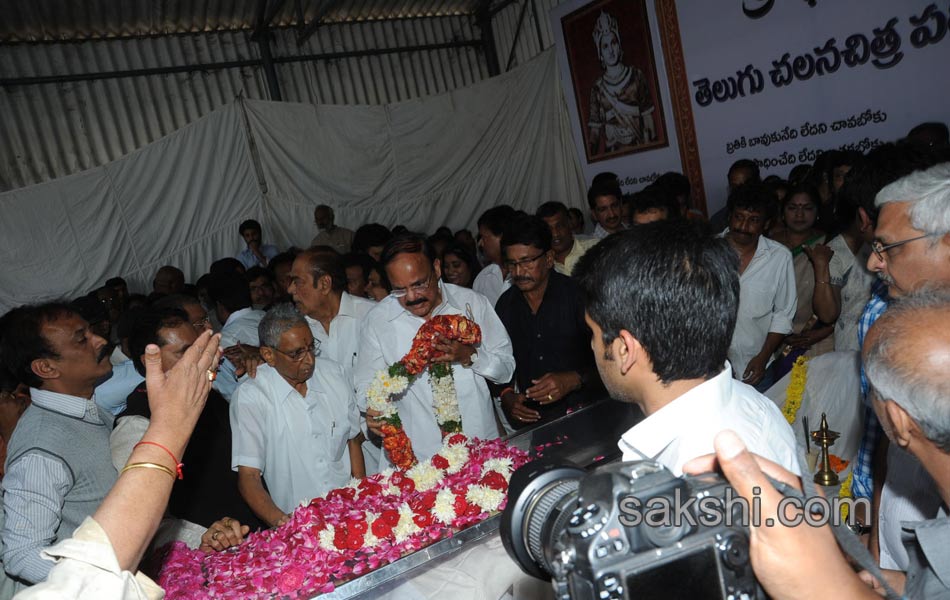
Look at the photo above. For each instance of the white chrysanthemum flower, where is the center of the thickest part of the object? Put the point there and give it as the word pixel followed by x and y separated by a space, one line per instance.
pixel 484 497
pixel 501 465
pixel 370 540
pixel 444 508
pixel 326 538
pixel 425 476
pixel 444 399
pixel 406 526
pixel 457 455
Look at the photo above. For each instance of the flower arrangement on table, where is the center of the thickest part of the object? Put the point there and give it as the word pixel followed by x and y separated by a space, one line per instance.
pixel 393 381
pixel 355 529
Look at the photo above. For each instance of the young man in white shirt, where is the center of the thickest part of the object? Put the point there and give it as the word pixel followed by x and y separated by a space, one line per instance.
pixel 232 298
pixel 419 294
pixel 767 297
pixel 661 303
pixel 295 423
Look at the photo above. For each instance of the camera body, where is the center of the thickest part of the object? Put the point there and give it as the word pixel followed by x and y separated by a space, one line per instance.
pixel 616 533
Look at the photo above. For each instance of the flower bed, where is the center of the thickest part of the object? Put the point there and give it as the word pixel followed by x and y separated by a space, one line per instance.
pixel 355 529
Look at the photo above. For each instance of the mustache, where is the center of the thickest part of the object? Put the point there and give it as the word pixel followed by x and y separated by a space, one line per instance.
pixel 522 279
pixel 885 278
pixel 105 352
pixel 417 301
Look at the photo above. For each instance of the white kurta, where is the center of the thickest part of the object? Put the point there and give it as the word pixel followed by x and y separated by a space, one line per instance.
pixel 685 428
pixel 299 443
pixel 387 336
pixel 342 343
pixel 767 302
pixel 491 283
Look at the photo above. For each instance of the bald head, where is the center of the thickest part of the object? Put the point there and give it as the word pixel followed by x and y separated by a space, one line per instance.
pixel 907 358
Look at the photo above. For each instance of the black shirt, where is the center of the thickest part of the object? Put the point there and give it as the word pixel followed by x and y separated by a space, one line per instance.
pixel 554 339
pixel 209 490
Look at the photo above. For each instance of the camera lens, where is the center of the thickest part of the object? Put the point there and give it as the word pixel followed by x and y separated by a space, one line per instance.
pixel 541 495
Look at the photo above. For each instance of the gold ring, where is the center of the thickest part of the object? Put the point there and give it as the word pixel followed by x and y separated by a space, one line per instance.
pixel 550 398
pixel 227 522
pixel 212 375
pixel 214 536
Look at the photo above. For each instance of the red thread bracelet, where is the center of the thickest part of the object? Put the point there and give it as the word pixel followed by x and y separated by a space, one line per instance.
pixel 178 465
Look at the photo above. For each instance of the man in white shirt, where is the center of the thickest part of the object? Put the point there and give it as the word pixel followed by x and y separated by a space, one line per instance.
pixel 338 238
pixel 418 294
pixel 767 298
pixel 317 283
pixel 490 281
pixel 661 303
pixel 232 305
pixel 295 423
pixel 568 249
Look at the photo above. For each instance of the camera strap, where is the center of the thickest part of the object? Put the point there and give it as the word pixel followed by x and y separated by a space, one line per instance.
pixel 847 540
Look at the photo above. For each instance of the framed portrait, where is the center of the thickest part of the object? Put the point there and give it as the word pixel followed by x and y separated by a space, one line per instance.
pixel 614 75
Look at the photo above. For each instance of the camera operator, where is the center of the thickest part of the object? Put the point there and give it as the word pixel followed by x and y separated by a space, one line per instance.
pixel 906 355
pixel 661 301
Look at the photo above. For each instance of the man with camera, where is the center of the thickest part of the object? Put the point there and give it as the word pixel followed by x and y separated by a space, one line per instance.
pixel 906 355
pixel 661 303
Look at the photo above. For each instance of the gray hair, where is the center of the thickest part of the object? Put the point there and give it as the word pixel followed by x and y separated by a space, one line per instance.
pixel 928 191
pixel 278 319
pixel 923 393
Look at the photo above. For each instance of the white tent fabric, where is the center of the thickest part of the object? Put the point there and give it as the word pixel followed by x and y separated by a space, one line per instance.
pixel 435 161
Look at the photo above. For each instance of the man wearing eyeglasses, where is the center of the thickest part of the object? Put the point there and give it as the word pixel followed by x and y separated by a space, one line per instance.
pixel 544 316
pixel 295 424
pixel 418 293
pixel 911 250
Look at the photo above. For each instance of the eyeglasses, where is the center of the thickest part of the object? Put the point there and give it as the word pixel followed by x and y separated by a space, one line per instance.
pixel 879 249
pixel 202 323
pixel 511 265
pixel 299 354
pixel 416 288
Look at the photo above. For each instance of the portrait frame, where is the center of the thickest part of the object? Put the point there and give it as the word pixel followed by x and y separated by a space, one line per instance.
pixel 587 72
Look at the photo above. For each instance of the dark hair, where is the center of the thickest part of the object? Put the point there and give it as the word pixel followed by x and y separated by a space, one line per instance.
pixel 249 224
pixel 528 230
pixel 750 166
pixel 179 301
pixel 381 271
pixel 799 173
pixel 753 196
pixel 363 261
pixel 443 230
pixel 90 308
pixel 604 188
pixel 406 243
pixel 674 287
pixel 496 218
pixel 130 316
pixel 22 341
pixel 323 261
pixel 576 213
pixel 256 272
pixel 802 188
pixel 284 258
pixel 549 209
pixel 674 184
pixel 654 197
pixel 462 252
pixel 368 236
pixel 8 383
pixel 115 281
pixel 225 266
pixel 231 290
pixel 938 131
pixel 605 178
pixel 146 328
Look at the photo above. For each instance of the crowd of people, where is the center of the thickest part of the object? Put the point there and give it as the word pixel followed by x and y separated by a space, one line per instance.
pixel 688 318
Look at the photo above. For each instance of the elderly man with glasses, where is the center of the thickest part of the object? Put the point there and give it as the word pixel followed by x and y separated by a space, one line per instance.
pixel 419 293
pixel 910 251
pixel 295 424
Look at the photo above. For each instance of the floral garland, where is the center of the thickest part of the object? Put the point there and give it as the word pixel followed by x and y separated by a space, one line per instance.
pixel 353 530
pixel 796 389
pixel 394 380
pixel 845 492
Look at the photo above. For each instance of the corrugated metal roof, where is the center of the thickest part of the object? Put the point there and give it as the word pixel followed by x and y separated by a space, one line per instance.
pixel 72 20
pixel 54 129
